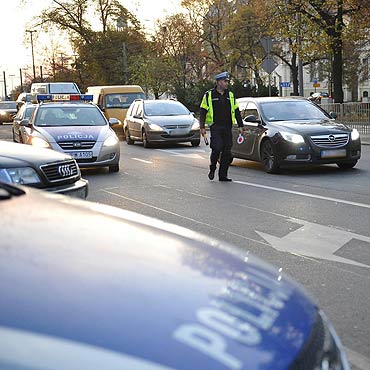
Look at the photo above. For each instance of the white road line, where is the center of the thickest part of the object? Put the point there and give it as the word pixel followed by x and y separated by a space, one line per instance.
pixel 185 218
pixel 142 160
pixel 336 200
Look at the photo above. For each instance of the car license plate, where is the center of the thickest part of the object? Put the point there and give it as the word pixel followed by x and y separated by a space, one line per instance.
pixel 334 153
pixel 81 155
pixel 178 132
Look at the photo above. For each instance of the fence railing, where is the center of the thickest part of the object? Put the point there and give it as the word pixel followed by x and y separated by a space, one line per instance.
pixel 356 115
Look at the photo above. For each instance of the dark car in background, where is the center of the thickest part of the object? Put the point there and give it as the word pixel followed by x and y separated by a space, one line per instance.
pixel 19 131
pixel 293 131
pixel 160 121
pixel 41 168
pixel 76 295
pixel 8 109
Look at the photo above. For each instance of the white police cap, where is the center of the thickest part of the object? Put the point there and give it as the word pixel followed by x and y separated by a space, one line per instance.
pixel 222 76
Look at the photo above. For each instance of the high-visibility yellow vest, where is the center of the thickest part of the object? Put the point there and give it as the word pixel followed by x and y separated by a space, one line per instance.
pixel 208 106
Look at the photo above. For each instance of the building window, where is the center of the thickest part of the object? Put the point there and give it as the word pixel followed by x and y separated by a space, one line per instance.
pixel 365 94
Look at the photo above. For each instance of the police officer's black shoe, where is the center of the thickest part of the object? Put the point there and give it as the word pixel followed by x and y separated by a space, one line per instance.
pixel 211 174
pixel 225 179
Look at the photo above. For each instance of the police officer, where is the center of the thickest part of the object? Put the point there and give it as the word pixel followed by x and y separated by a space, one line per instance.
pixel 219 110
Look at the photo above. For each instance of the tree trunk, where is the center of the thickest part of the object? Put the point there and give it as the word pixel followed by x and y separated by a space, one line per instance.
pixel 337 70
pixel 294 71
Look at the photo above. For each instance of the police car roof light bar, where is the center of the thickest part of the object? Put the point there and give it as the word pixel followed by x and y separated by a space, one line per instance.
pixel 64 97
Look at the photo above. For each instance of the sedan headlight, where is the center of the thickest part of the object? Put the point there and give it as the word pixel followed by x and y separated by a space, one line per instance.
pixel 2 113
pixel 39 142
pixel 293 138
pixel 155 127
pixel 110 141
pixel 21 175
pixel 355 135
pixel 195 125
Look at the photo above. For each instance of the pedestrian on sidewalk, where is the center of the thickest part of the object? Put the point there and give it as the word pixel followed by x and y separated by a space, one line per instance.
pixel 220 111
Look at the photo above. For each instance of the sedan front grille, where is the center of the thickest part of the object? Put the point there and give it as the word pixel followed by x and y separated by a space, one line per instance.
pixel 171 127
pixel 331 140
pixel 60 171
pixel 75 145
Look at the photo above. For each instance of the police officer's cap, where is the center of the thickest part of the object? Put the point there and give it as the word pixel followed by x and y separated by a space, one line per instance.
pixel 222 76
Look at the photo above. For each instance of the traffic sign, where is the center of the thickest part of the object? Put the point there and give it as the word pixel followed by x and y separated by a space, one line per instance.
pixel 267 43
pixel 269 64
pixel 284 84
pixel 316 85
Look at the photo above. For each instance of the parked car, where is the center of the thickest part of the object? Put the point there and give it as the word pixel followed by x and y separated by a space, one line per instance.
pixel 293 131
pixel 54 88
pixel 8 109
pixel 74 125
pixel 160 121
pixel 20 132
pixel 77 295
pixel 41 168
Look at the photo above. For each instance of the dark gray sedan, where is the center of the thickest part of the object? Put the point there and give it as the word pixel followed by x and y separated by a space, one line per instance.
pixel 293 131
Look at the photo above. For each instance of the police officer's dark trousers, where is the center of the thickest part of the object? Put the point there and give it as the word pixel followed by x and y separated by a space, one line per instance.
pixel 221 142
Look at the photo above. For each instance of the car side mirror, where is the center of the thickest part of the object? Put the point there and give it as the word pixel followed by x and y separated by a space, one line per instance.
pixel 251 118
pixel 333 115
pixel 25 122
pixel 114 121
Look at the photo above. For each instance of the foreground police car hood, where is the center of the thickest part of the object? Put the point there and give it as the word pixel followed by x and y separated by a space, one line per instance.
pixel 73 133
pixel 77 294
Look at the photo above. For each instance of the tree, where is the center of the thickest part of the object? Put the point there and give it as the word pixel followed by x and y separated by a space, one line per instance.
pixel 332 17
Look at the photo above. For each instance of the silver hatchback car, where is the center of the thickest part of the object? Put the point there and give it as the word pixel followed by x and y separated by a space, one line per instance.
pixel 160 121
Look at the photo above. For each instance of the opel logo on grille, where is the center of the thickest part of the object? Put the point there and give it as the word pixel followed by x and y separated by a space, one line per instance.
pixel 77 144
pixel 331 138
pixel 65 170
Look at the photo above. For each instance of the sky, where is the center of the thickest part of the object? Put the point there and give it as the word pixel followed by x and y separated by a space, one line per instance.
pixel 17 17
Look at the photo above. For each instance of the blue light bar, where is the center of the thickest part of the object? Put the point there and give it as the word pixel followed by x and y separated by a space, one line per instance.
pixel 64 97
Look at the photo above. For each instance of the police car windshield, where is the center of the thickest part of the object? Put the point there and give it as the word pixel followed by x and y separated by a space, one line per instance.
pixel 291 111
pixel 69 116
pixel 165 108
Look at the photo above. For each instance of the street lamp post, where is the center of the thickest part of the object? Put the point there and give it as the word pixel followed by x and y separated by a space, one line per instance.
pixel 33 57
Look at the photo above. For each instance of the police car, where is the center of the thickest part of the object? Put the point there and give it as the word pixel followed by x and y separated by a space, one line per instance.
pixel 76 295
pixel 73 124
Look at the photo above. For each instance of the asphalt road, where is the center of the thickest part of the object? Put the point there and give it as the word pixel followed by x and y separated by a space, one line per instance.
pixel 312 223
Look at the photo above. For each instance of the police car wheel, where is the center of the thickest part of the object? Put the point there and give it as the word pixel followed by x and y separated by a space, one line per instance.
pixel 195 143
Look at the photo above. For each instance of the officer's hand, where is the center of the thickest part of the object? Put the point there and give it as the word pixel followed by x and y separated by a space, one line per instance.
pixel 241 129
pixel 203 131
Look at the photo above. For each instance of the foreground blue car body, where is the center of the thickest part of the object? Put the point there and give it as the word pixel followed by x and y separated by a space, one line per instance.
pixel 86 286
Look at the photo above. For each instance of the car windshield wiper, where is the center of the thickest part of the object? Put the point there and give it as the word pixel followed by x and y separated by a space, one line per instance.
pixel 7 191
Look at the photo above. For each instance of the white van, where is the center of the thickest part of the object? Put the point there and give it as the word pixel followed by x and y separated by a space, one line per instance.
pixel 54 88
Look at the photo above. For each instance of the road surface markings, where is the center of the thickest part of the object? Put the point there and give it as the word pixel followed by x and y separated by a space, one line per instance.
pixel 335 200
pixel 142 160
pixel 182 153
pixel 316 241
